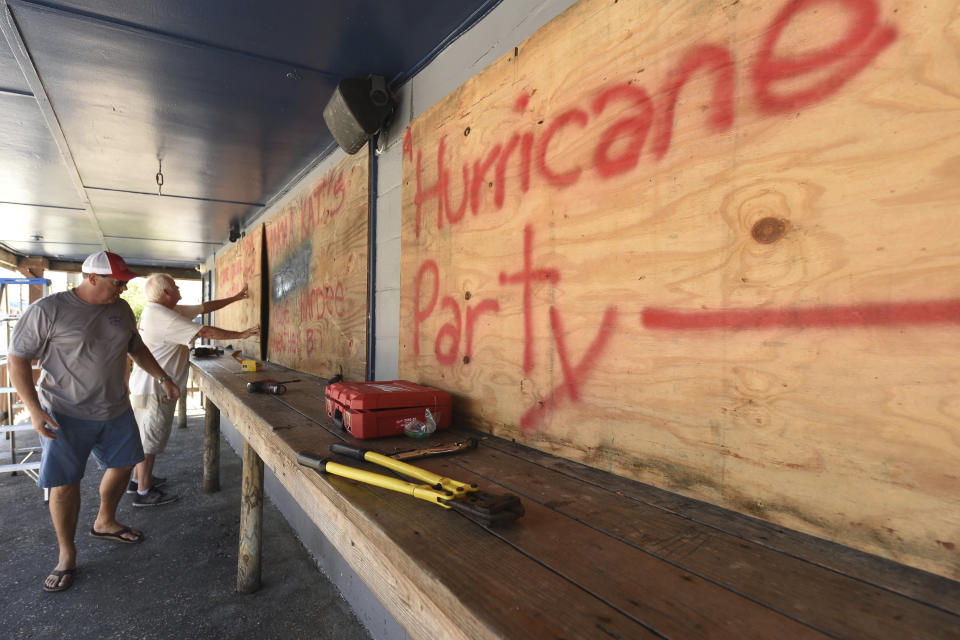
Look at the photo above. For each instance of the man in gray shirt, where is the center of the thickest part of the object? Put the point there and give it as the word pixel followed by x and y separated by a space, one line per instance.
pixel 81 338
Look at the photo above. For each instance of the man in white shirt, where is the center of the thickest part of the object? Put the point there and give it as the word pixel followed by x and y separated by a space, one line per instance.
pixel 167 329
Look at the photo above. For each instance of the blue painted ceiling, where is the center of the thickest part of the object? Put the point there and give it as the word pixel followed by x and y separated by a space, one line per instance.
pixel 225 96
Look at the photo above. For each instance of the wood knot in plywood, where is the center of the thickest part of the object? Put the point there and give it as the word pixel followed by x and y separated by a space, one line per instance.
pixel 768 230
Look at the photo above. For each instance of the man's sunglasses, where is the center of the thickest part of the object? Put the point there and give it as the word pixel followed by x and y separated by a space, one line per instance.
pixel 117 283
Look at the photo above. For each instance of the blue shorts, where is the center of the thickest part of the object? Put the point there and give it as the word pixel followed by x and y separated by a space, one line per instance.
pixel 114 443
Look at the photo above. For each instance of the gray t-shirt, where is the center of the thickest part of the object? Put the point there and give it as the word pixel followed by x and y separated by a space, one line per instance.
pixel 82 349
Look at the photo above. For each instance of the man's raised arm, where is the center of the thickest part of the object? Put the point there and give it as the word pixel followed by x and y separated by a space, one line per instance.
pixel 213 305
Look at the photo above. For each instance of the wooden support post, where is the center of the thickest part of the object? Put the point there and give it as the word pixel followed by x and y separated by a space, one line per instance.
pixel 251 522
pixel 211 448
pixel 182 410
pixel 33 268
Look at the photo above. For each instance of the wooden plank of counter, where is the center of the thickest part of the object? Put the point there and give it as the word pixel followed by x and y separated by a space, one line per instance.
pixel 607 597
pixel 900 579
pixel 839 605
pixel 662 596
pixel 805 589
pixel 437 573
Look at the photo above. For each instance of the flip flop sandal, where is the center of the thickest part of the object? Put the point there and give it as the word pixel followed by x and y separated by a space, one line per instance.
pixel 117 536
pixel 61 585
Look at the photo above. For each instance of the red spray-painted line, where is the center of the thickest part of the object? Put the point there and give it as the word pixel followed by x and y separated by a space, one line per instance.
pixel 865 315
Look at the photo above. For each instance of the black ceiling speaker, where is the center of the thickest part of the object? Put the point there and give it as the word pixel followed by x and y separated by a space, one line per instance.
pixel 359 108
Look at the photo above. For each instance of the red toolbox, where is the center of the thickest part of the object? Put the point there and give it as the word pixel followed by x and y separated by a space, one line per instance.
pixel 380 409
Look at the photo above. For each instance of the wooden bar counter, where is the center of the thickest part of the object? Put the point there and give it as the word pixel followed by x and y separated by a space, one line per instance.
pixel 595 555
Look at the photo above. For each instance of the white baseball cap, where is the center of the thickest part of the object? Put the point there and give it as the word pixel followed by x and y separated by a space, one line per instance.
pixel 105 263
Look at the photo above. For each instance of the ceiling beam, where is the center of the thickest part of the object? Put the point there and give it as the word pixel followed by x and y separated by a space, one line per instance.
pixel 178 273
pixel 13 262
pixel 9 260
pixel 8 26
pixel 15 92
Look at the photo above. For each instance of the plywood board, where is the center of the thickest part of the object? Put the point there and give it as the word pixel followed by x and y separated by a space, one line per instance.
pixel 711 247
pixel 317 256
pixel 239 266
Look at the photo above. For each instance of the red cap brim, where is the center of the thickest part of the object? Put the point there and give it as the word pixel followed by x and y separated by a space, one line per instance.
pixel 119 268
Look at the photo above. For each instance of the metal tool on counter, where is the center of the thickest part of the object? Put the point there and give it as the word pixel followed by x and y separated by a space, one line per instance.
pixel 484 508
pixel 271 387
pixel 246 364
pixel 207 351
pixel 436 450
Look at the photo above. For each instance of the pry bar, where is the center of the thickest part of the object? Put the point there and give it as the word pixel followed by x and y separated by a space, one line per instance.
pixel 438 450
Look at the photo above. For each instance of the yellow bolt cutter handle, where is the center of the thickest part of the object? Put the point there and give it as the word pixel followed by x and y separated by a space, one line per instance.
pixel 394 484
pixel 484 508
pixel 455 487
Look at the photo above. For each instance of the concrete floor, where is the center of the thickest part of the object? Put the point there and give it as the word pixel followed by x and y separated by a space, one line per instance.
pixel 180 582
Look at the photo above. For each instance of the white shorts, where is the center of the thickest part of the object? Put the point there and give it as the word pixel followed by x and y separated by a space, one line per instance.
pixel 155 419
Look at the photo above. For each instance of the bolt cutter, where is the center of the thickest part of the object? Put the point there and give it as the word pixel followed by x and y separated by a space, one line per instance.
pixel 484 508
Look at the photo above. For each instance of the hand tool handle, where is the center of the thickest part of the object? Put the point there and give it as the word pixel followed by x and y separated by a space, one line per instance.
pixel 267 386
pixel 450 486
pixel 438 450
pixel 394 484
pixel 346 450
pixel 312 460
pixel 207 351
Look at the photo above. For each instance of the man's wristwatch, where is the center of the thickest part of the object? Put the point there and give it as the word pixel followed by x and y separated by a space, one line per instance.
pixel 162 379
